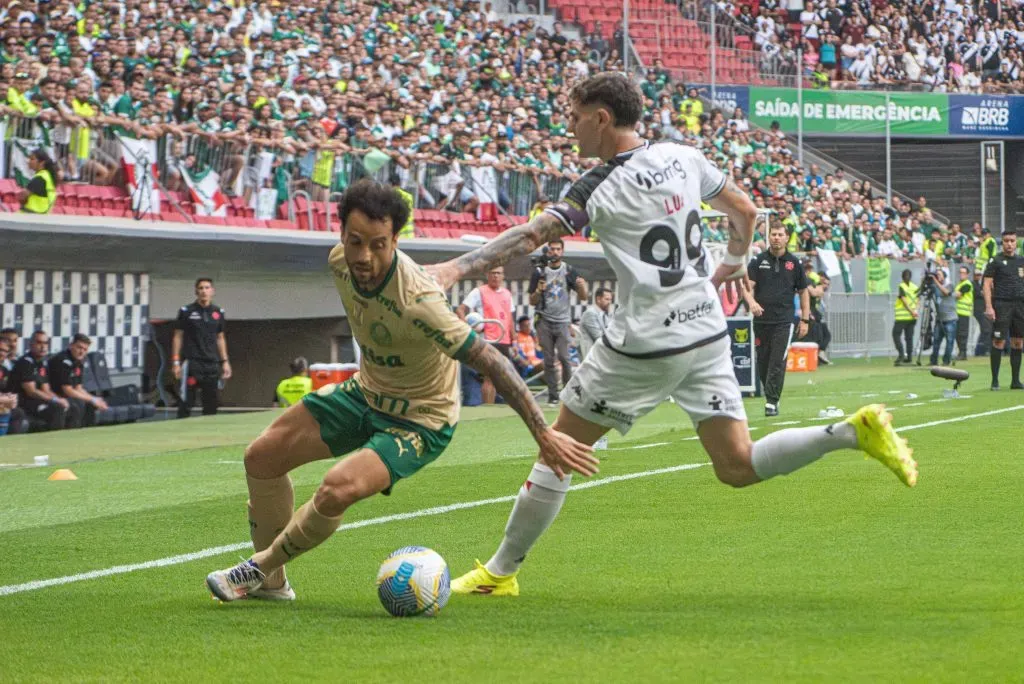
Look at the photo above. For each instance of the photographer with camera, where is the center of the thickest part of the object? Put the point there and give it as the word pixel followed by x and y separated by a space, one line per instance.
pixel 549 295
pixel 906 318
pixel 945 309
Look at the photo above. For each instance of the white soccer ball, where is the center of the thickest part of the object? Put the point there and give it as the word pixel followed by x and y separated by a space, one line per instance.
pixel 414 580
pixel 475 321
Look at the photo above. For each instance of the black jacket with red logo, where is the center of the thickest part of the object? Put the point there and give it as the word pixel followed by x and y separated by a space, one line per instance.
pixel 64 370
pixel 27 369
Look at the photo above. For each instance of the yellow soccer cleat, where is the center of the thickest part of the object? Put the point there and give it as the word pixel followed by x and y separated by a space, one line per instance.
pixel 877 438
pixel 480 581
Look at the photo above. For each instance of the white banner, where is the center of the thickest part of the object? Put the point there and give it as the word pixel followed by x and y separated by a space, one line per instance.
pixel 205 190
pixel 138 157
pixel 266 204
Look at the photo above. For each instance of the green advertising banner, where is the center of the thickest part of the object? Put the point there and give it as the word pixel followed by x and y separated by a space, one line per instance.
pixel 878 276
pixel 851 113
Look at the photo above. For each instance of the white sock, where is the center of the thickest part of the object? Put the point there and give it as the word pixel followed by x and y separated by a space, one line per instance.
pixel 540 498
pixel 782 452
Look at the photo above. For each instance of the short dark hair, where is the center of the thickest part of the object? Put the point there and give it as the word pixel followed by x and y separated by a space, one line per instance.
pixel 557 241
pixel 81 337
pixel 617 92
pixel 203 280
pixel 8 331
pixel 601 291
pixel 377 201
pixel 40 332
pixel 299 365
pixel 522 318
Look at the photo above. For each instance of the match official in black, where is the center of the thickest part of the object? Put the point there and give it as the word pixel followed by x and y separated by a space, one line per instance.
pixel 1003 289
pixel 66 370
pixel 775 275
pixel 199 351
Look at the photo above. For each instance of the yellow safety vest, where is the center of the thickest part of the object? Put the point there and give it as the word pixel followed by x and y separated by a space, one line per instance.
pixel 323 169
pixel 965 305
pixel 80 136
pixel 909 292
pixel 409 229
pixel 17 100
pixel 291 390
pixel 37 204
pixel 986 253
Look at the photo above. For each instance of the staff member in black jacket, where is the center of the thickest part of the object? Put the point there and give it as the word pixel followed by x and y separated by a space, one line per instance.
pixel 202 360
pixel 30 379
pixel 1004 306
pixel 66 380
pixel 775 275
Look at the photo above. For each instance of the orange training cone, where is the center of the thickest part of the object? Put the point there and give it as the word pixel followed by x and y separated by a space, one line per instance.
pixel 62 474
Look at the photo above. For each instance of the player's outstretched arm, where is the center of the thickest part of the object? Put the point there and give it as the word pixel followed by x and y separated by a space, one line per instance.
pixel 510 244
pixel 742 214
pixel 559 451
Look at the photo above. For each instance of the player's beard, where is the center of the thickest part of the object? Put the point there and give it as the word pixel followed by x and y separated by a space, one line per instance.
pixel 364 276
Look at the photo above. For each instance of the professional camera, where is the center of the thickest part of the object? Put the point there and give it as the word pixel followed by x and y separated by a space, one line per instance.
pixel 929 277
pixel 540 261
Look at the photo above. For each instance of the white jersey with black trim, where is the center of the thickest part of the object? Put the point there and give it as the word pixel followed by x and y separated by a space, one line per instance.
pixel 644 205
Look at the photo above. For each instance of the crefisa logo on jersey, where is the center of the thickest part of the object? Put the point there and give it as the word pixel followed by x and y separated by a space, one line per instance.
pixel 651 179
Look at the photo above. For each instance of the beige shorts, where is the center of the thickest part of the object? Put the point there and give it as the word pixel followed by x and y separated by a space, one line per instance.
pixel 614 390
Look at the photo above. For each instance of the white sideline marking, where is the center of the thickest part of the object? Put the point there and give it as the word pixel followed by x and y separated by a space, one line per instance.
pixel 638 446
pixel 916 403
pixel 786 422
pixel 438 510
pixel 232 548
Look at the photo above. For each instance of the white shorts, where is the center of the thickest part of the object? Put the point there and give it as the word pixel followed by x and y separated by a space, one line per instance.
pixel 614 390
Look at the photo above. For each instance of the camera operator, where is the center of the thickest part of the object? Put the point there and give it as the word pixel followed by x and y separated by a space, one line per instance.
pixel 549 294
pixel 964 308
pixel 906 317
pixel 1004 306
pixel 945 325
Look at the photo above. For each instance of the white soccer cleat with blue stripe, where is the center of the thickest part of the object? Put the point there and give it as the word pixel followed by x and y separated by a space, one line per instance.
pixel 236 582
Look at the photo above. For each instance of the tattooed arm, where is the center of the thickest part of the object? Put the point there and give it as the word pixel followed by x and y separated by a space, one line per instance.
pixel 559 451
pixel 510 244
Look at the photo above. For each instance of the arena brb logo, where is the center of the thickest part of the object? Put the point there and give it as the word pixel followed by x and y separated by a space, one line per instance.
pixel 991 114
pixel 652 179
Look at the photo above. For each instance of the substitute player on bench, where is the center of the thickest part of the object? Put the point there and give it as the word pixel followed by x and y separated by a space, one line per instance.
pixel 668 337
pixel 396 415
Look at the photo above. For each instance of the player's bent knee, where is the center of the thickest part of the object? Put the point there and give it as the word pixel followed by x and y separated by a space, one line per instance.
pixel 339 491
pixel 735 474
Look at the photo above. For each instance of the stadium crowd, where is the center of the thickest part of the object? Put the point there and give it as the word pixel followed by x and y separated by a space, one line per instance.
pixel 946 46
pixel 445 100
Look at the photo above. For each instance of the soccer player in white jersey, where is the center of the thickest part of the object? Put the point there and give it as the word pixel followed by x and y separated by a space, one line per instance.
pixel 669 336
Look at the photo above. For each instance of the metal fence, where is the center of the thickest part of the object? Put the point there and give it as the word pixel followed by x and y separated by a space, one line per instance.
pixel 861 325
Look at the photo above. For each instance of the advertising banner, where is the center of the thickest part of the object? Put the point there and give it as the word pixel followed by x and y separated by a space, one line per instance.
pixel 741 334
pixel 986 115
pixel 727 97
pixel 832 112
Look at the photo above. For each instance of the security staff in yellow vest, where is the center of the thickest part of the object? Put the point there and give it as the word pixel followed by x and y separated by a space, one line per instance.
pixel 964 292
pixel 41 191
pixel 906 318
pixel 409 229
pixel 291 390
pixel 987 250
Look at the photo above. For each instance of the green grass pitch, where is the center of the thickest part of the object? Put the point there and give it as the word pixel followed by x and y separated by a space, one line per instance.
pixel 836 573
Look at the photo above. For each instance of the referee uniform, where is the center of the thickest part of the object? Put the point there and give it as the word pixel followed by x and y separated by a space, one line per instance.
pixel 776 280
pixel 1006 294
pixel 200 326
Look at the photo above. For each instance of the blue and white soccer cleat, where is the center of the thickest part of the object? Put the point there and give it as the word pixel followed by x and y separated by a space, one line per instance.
pixel 235 583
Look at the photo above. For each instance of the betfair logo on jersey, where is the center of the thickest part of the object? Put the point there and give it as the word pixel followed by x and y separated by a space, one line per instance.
pixel 687 315
pixel 433 334
pixel 652 179
pixel 393 361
